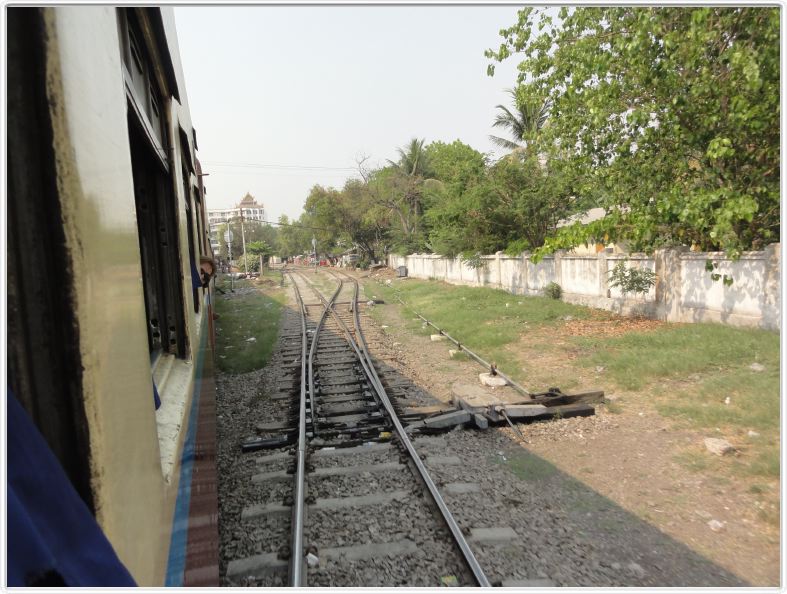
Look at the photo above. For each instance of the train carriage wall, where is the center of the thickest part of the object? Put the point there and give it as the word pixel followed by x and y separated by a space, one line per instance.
pixel 131 452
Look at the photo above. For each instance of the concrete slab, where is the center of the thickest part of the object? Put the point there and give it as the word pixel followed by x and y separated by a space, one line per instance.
pixel 338 470
pixel 473 394
pixel 333 503
pixel 264 509
pixel 497 534
pixel 536 583
pixel 362 449
pixel 458 417
pixel 257 566
pixel 443 460
pixel 369 550
pixel 462 488
pixel 276 457
pixel 518 411
pixel 437 337
pixel 493 381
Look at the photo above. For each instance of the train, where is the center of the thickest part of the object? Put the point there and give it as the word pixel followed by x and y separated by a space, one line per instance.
pixel 109 319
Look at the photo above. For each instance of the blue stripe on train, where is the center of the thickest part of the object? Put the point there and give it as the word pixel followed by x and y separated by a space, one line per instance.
pixel 176 562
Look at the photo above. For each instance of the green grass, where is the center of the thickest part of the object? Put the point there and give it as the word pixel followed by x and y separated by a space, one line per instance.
pixel 245 316
pixel 477 316
pixel 686 370
pixel 639 358
pixel 754 400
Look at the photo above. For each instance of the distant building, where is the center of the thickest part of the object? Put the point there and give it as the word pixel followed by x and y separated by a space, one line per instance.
pixel 248 207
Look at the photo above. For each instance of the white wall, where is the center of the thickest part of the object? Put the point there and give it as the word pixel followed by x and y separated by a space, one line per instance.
pixel 684 291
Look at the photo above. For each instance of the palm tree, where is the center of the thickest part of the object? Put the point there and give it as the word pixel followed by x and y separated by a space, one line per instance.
pixel 413 172
pixel 523 123
pixel 412 159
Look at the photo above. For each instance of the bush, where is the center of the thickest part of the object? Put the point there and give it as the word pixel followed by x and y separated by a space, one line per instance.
pixel 474 261
pixel 553 291
pixel 631 280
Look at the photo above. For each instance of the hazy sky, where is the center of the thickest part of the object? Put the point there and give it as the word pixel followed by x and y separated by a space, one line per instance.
pixel 315 87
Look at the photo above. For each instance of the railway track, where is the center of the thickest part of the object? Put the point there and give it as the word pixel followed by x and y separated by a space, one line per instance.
pixel 366 516
pixel 346 483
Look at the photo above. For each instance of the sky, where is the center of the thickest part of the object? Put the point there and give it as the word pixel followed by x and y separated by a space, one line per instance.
pixel 283 98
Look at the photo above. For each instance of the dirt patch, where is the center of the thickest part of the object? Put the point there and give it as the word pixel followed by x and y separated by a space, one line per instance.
pixel 598 326
pixel 627 453
pixel 634 458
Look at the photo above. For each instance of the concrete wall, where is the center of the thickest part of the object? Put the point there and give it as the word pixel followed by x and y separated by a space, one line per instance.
pixel 684 290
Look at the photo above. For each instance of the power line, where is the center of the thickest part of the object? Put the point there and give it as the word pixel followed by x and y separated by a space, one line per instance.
pixel 277 166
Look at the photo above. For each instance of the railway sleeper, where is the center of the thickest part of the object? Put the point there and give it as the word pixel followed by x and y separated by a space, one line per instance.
pixel 335 411
pixel 268 564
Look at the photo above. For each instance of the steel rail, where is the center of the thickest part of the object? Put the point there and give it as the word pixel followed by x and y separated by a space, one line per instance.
pixel 297 575
pixel 456 532
pixel 462 347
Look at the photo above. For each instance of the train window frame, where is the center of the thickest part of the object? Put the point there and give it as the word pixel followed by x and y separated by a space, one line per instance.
pixel 143 88
pixel 158 232
pixel 191 237
pixel 156 204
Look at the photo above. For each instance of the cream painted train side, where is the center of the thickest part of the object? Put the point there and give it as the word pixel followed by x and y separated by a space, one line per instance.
pixel 105 221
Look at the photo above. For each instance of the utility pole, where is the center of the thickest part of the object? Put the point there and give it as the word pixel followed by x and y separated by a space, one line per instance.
pixel 228 239
pixel 314 251
pixel 243 238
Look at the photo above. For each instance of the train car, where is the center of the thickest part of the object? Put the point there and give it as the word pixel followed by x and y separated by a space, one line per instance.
pixel 108 344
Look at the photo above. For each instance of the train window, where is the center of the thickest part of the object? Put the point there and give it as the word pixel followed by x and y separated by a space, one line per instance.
pixel 141 82
pixel 136 55
pixel 200 215
pixel 190 235
pixel 159 245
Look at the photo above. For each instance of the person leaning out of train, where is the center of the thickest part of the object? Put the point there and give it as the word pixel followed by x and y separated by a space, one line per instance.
pixel 207 270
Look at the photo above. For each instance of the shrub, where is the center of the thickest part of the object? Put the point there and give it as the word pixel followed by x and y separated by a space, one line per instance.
pixel 474 261
pixel 631 280
pixel 553 291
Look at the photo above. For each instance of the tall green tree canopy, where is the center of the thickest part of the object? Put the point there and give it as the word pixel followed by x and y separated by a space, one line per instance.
pixel 669 116
pixel 293 239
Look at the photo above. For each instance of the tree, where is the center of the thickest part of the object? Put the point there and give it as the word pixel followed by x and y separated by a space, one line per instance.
pixel 292 239
pixel 457 203
pixel 400 188
pixel 253 231
pixel 533 198
pixel 669 115
pixel 515 203
pixel 523 123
